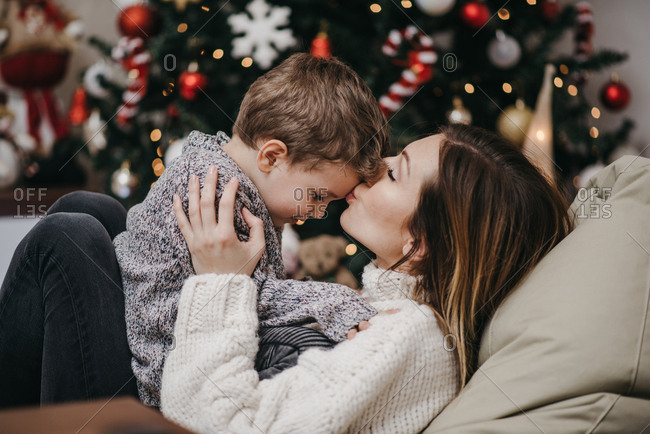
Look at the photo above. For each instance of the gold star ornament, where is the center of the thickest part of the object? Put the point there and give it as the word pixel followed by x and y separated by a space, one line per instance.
pixel 181 5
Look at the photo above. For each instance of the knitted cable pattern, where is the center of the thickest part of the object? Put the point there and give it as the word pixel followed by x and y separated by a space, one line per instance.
pixel 394 377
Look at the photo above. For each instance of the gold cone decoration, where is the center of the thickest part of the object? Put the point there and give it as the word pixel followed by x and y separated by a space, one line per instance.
pixel 538 145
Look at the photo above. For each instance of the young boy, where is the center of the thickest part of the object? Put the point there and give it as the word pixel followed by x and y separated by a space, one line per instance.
pixel 307 132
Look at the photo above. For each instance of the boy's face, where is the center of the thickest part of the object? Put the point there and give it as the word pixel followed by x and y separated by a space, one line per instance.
pixel 292 192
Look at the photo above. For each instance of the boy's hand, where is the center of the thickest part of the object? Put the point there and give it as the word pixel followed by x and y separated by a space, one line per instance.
pixel 364 325
pixel 214 246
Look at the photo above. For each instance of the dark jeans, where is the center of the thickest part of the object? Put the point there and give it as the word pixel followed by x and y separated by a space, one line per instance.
pixel 62 329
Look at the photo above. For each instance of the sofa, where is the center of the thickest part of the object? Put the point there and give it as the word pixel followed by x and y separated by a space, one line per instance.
pixel 569 350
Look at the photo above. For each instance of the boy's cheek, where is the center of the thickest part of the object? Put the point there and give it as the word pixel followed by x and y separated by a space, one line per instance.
pixel 281 212
pixel 317 210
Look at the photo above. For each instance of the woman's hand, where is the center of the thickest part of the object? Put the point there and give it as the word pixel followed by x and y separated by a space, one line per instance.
pixel 214 246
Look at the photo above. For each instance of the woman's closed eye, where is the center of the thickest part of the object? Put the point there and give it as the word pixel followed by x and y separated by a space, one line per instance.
pixel 390 174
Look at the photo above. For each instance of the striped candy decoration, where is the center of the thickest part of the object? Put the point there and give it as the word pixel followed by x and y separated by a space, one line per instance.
pixel 131 53
pixel 419 66
pixel 583 37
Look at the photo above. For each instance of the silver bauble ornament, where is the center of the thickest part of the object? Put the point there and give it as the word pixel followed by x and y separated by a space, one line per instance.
pixel 174 149
pixel 504 51
pixel 435 7
pixel 123 181
pixel 459 113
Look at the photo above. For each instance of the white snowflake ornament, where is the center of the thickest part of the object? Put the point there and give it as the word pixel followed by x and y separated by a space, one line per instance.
pixel 262 37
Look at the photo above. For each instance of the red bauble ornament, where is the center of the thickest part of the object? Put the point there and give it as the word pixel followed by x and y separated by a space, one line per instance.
pixel 475 14
pixel 172 112
pixel 139 21
pixel 190 84
pixel 550 9
pixel 78 112
pixel 320 46
pixel 615 95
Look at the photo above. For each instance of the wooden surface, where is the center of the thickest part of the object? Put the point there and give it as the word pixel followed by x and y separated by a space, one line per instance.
pixel 106 416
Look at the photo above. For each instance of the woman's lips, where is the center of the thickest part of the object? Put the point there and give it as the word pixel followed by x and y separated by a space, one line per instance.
pixel 350 196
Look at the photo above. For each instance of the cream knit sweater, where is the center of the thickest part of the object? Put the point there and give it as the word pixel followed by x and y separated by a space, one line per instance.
pixel 394 377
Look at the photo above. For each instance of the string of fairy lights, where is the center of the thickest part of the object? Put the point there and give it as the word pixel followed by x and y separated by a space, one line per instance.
pixel 158 165
pixel 562 79
pixel 504 14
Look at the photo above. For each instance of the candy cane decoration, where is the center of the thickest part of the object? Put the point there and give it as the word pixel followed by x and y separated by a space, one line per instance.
pixel 131 53
pixel 419 66
pixel 583 37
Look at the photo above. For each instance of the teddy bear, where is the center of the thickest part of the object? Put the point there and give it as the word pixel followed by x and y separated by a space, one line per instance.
pixel 320 258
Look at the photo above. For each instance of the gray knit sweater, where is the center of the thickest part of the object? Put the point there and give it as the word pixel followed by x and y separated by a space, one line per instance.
pixel 154 262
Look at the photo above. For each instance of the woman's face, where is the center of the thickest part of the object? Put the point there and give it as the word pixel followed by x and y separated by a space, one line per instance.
pixel 377 215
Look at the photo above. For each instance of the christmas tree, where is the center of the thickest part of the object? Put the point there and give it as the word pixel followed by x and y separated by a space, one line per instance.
pixel 186 64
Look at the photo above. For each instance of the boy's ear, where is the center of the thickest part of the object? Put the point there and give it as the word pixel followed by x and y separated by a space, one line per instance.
pixel 271 154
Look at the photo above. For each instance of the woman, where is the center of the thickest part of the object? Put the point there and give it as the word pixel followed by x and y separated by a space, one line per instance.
pixel 456 222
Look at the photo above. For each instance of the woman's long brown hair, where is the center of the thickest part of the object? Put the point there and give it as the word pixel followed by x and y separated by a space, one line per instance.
pixel 485 220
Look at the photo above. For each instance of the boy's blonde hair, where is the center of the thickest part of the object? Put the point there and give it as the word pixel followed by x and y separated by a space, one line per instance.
pixel 322 110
